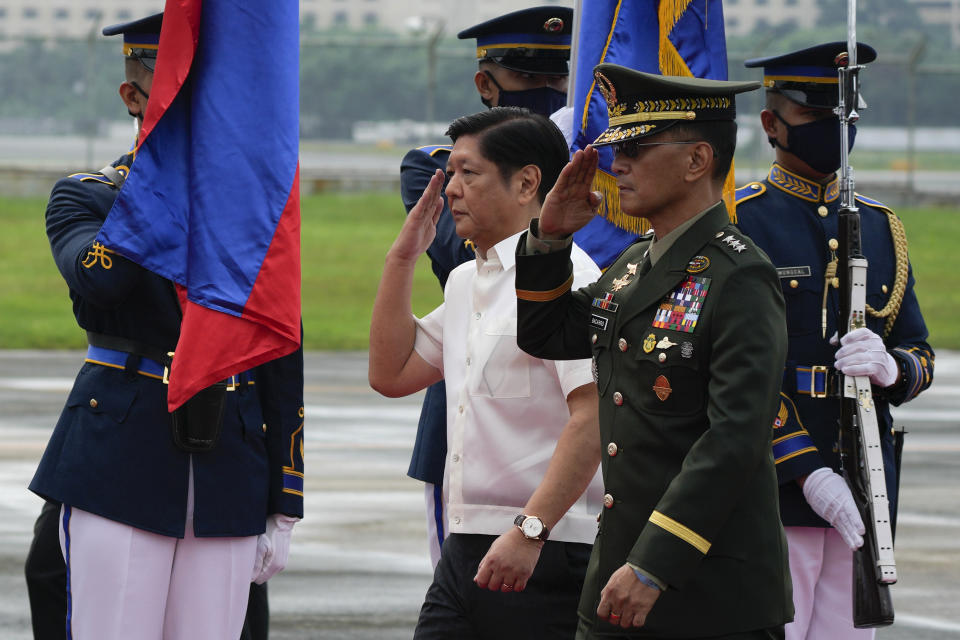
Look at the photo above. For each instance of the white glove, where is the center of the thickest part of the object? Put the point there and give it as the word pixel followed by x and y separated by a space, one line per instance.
pixel 829 496
pixel 862 353
pixel 273 547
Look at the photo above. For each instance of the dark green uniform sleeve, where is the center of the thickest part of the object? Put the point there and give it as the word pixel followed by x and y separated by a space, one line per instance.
pixel 748 348
pixel 552 320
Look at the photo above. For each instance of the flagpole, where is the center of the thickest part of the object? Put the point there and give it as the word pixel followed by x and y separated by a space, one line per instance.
pixel 572 78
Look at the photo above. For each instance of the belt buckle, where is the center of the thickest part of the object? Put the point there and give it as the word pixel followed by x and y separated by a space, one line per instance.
pixel 166 368
pixel 814 370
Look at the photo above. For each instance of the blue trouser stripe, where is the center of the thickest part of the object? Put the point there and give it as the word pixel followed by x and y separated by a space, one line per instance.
pixel 438 511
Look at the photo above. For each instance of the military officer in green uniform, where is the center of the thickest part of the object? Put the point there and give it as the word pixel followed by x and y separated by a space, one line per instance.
pixel 688 337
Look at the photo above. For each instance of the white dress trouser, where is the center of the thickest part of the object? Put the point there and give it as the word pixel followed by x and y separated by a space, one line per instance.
pixel 124 582
pixel 821 565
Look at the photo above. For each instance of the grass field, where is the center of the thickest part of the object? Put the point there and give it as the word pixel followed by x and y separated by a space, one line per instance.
pixel 345 238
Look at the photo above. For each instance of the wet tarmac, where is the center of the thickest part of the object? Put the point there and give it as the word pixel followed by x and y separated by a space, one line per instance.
pixel 358 566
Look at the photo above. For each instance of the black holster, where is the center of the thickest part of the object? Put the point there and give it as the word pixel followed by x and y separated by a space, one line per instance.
pixel 196 424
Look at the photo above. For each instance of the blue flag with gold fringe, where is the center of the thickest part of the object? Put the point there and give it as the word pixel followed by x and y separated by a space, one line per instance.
pixel 670 37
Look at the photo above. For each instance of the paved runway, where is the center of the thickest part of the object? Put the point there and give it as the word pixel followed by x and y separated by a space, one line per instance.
pixel 358 566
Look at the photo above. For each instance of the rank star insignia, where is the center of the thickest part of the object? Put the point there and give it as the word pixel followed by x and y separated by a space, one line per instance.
pixel 661 387
pixel 649 343
pixel 734 243
pixel 665 343
pixel 632 269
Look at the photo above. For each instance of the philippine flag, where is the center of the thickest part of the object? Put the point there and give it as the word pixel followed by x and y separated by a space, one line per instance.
pixel 212 199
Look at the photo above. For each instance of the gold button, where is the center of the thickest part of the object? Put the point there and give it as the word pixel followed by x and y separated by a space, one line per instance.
pixel 617 398
pixel 612 449
pixel 794 284
pixel 622 343
pixel 607 500
pixel 264 428
pixel 593 339
pixel 823 211
pixel 94 403
pixel 835 283
pixel 755 186
pixel 662 357
pixel 833 244
pixel 719 234
pixel 884 288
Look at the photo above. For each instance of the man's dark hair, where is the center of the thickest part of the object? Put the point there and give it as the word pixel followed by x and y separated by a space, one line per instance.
pixel 512 138
pixel 721 135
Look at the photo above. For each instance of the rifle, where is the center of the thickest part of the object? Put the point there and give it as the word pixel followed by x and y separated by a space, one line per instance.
pixel 861 460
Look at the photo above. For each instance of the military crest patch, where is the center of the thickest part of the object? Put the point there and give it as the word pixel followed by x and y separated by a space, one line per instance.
pixel 680 309
pixel 649 343
pixel 698 264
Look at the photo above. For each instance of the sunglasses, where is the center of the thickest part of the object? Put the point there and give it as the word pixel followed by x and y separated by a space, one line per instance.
pixel 631 148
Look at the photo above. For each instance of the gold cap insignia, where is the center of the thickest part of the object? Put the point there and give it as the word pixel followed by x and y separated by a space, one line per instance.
pixel 553 25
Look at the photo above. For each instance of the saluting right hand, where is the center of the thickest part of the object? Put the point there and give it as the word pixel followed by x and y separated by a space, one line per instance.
pixel 420 227
pixel 571 204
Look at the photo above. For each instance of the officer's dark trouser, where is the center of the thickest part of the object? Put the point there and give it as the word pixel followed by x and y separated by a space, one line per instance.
pixel 455 607
pixel 47 585
pixel 773 633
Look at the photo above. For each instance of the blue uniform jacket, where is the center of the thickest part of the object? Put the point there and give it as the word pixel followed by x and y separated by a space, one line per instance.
pixel 111 452
pixel 447 251
pixel 794 220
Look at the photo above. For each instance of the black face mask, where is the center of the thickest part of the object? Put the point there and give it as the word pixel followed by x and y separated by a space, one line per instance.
pixel 817 143
pixel 542 100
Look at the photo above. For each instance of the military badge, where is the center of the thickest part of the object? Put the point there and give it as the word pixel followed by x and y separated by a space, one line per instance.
pixel 624 280
pixel 661 386
pixel 649 343
pixel 665 343
pixel 553 25
pixel 698 264
pixel 686 349
pixel 680 309
pixel 606 303
pixel 781 418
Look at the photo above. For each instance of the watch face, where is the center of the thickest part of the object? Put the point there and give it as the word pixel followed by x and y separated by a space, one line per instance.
pixel 532 527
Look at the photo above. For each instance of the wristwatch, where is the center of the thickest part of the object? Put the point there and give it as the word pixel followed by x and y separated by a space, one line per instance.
pixel 532 527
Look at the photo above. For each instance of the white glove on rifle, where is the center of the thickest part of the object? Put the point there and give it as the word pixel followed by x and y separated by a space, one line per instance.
pixel 862 353
pixel 829 496
pixel 273 547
